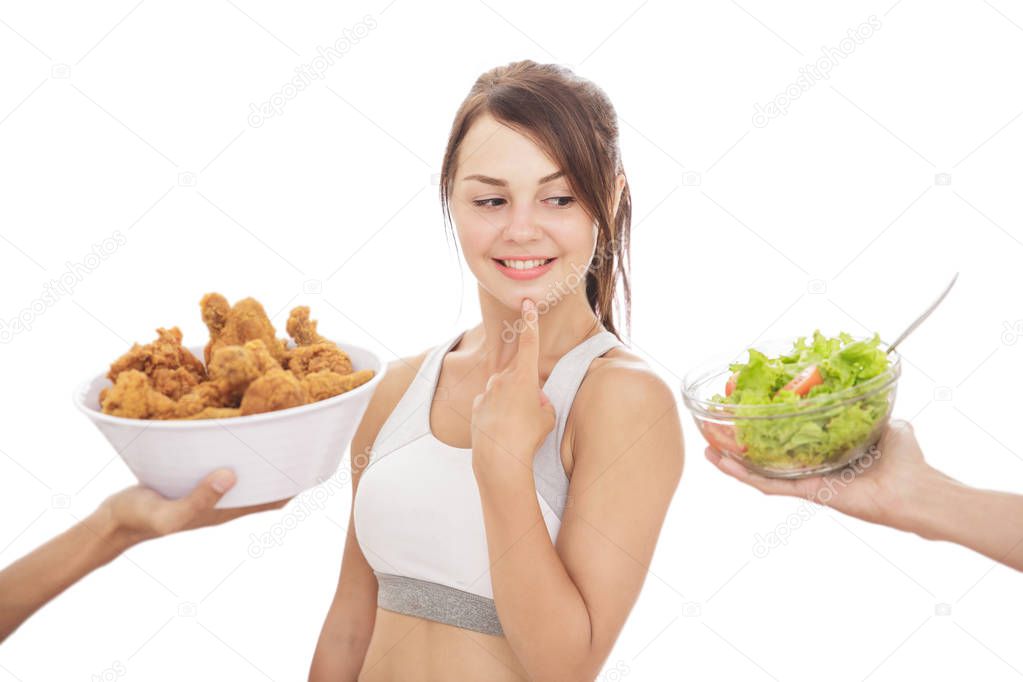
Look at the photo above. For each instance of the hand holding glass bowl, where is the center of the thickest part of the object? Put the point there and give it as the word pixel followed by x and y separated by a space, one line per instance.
pixel 796 408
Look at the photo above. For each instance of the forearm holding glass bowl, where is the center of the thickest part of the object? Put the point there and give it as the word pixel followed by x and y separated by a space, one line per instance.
pixel 987 521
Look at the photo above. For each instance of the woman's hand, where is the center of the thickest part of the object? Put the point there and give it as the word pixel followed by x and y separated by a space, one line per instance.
pixel 887 488
pixel 513 416
pixel 122 520
pixel 139 513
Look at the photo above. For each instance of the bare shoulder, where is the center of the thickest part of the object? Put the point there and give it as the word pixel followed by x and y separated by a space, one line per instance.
pixel 622 402
pixel 622 379
pixel 397 379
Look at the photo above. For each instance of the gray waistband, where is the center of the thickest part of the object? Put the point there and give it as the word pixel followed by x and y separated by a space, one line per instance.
pixel 437 602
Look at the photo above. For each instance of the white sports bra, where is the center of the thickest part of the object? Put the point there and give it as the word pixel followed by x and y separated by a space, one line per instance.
pixel 418 516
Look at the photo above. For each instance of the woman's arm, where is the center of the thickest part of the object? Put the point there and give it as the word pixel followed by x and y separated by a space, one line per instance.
pixel 121 521
pixel 895 486
pixel 562 608
pixel 348 627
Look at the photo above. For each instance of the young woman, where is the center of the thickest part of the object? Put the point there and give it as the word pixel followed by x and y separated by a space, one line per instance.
pixel 509 484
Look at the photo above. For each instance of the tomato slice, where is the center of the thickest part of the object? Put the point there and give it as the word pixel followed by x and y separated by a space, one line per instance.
pixel 721 437
pixel 804 381
pixel 732 381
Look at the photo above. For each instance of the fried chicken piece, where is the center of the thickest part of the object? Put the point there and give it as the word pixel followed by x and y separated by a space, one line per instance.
pixel 312 352
pixel 215 309
pixel 304 360
pixel 264 360
pixel 207 395
pixel 174 383
pixel 172 366
pixel 276 390
pixel 231 370
pixel 302 329
pixel 233 326
pixel 133 396
pixel 326 384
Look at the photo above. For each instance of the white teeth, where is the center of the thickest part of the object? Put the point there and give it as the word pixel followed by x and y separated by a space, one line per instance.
pixel 523 264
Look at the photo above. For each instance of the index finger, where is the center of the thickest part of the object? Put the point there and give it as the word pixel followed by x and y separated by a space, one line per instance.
pixel 528 352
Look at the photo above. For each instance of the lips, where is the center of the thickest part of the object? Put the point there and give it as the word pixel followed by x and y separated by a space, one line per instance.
pixel 523 267
pixel 524 262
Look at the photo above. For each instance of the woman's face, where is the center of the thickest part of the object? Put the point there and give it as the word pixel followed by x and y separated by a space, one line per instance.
pixel 521 229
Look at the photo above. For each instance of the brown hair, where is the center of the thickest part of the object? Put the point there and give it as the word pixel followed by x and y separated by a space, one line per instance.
pixel 574 122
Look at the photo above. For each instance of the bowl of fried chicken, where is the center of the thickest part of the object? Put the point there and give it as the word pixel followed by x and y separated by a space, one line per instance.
pixel 280 413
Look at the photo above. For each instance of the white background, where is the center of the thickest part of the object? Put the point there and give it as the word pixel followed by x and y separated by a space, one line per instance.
pixel 829 216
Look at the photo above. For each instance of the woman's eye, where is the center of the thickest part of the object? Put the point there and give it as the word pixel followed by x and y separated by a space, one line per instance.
pixel 559 202
pixel 485 203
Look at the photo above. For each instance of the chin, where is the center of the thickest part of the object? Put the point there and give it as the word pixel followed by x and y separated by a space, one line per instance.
pixel 510 294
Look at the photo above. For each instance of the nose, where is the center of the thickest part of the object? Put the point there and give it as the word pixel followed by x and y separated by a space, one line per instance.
pixel 523 225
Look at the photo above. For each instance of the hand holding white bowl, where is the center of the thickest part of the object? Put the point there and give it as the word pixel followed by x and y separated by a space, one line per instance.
pixel 139 513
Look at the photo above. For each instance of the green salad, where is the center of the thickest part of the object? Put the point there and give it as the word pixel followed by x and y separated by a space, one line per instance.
pixel 814 369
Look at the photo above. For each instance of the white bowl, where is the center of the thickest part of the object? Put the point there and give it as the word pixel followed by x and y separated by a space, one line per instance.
pixel 274 455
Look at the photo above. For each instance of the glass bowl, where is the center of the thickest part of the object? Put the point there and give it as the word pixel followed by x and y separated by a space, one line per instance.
pixel 791 440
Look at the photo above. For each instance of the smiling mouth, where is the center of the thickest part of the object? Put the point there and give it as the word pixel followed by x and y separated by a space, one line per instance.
pixel 524 264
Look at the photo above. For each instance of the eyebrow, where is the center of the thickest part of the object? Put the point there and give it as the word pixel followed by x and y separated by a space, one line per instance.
pixel 504 183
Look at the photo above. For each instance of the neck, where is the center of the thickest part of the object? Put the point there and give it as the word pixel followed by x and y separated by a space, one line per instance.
pixel 564 323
